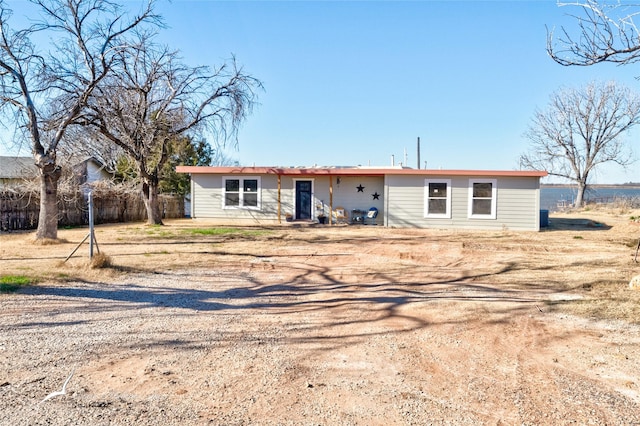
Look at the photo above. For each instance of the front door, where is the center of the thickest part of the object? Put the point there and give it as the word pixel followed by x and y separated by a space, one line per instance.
pixel 303 199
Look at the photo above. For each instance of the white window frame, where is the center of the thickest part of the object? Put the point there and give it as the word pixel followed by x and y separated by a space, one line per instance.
pixel 447 213
pixel 241 205
pixel 494 199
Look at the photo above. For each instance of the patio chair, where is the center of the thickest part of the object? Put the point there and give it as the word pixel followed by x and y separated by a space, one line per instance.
pixel 370 218
pixel 340 215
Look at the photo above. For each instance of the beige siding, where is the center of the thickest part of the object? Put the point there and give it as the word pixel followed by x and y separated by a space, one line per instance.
pixel 96 172
pixel 518 204
pixel 207 200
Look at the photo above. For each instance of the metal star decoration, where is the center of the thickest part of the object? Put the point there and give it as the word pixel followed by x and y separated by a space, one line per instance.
pixel 360 188
pixel 375 195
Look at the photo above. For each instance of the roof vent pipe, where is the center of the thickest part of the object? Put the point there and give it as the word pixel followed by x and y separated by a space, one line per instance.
pixel 418 152
pixel 393 161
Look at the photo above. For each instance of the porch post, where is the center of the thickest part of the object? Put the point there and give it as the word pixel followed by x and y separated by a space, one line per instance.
pixel 330 200
pixel 279 200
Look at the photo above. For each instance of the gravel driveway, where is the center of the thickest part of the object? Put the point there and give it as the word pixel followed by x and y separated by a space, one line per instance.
pixel 241 347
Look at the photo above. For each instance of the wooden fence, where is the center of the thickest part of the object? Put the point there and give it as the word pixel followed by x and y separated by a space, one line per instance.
pixel 20 210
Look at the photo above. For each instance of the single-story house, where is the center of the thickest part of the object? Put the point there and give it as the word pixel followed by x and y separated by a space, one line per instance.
pixel 89 171
pixel 15 171
pixel 403 197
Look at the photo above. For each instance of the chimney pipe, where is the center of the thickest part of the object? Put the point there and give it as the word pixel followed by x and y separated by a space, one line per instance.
pixel 418 152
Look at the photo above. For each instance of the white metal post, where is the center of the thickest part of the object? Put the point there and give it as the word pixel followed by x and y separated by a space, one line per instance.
pixel 91 238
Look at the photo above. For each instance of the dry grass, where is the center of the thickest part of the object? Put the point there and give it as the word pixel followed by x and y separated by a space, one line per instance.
pixel 100 261
pixel 49 241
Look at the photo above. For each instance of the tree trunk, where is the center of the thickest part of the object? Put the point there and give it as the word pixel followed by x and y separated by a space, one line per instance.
pixel 580 194
pixel 152 202
pixel 48 217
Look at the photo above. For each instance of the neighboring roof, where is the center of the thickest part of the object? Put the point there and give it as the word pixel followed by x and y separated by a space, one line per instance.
pixel 89 159
pixel 17 168
pixel 355 171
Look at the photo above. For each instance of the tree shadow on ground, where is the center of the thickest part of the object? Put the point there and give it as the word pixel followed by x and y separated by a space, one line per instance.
pixel 311 289
pixel 312 305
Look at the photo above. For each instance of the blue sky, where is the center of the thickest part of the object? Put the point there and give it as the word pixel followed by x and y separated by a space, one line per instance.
pixel 355 82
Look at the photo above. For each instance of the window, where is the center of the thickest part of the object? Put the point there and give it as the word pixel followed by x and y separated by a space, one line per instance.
pixel 242 193
pixel 437 198
pixel 482 198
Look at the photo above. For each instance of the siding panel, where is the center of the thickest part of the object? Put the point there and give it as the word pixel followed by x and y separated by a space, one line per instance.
pixel 517 204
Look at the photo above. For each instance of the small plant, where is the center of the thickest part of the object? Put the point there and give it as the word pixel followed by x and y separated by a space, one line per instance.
pixel 578 237
pixel 11 283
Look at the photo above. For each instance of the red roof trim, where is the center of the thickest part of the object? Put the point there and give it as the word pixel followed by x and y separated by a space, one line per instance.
pixel 293 171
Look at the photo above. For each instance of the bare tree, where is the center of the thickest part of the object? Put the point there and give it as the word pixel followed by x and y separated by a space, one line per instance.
pixel 80 143
pixel 606 32
pixel 153 99
pixel 43 93
pixel 581 129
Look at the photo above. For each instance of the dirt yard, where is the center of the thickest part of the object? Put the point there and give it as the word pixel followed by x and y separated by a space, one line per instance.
pixel 320 325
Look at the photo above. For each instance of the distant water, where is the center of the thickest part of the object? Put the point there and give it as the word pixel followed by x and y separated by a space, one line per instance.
pixel 550 197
